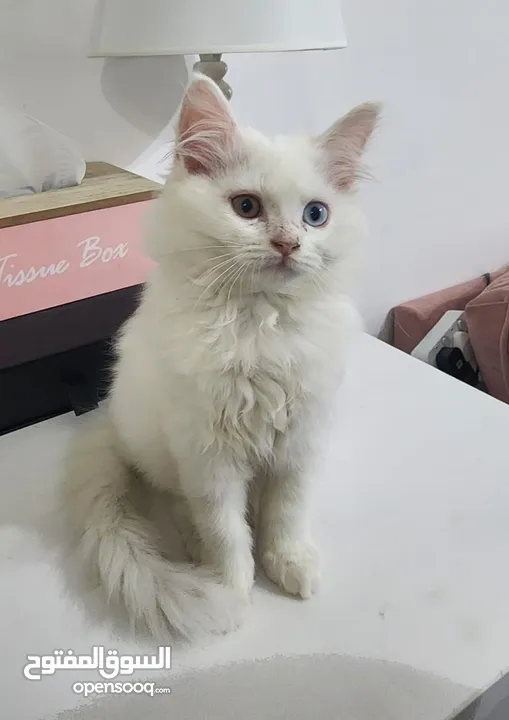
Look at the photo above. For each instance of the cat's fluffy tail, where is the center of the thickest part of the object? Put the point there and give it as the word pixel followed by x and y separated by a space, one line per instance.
pixel 115 544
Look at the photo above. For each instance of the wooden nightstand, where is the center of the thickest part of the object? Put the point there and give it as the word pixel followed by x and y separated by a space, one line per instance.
pixel 71 268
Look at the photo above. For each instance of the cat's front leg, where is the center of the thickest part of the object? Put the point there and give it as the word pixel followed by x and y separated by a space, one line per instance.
pixel 287 553
pixel 183 520
pixel 215 488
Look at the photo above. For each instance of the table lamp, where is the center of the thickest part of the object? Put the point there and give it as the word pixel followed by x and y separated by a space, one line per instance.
pixel 127 28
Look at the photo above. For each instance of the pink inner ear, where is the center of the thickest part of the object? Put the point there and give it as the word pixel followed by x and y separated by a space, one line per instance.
pixel 206 130
pixel 342 165
pixel 345 142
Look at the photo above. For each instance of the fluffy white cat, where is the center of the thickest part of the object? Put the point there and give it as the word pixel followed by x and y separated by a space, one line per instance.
pixel 225 371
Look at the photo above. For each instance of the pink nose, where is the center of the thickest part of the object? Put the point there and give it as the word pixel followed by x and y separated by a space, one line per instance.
pixel 285 247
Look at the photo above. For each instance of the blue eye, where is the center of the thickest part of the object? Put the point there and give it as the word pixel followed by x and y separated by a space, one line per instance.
pixel 315 214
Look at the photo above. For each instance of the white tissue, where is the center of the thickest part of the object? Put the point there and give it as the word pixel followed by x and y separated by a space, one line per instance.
pixel 34 157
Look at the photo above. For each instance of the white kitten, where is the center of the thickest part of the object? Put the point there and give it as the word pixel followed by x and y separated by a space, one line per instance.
pixel 226 369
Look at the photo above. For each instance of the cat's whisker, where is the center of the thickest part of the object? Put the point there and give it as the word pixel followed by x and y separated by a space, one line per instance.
pixel 200 248
pixel 233 278
pixel 216 267
pixel 317 280
pixel 224 241
pixel 246 268
pixel 258 268
pixel 219 257
pixel 226 280
pixel 233 263
pixel 210 271
pixel 231 282
pixel 238 276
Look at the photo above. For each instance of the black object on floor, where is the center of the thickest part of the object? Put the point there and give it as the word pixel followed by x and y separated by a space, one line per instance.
pixel 74 380
pixel 58 360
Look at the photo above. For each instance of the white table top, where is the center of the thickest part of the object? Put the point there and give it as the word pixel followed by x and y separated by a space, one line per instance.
pixel 412 517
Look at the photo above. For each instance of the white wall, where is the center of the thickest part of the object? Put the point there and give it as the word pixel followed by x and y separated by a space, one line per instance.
pixel 439 211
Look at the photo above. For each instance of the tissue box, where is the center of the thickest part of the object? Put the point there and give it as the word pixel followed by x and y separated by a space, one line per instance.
pixel 65 245
pixel 71 266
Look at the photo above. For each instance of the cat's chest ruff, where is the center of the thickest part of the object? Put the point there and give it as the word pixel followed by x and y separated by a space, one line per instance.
pixel 251 410
pixel 258 385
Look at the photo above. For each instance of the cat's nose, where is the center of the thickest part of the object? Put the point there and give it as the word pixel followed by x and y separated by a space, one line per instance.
pixel 285 247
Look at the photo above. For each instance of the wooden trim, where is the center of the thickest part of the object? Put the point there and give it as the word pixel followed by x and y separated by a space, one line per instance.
pixel 103 186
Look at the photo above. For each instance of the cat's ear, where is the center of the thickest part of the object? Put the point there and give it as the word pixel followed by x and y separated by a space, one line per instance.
pixel 206 130
pixel 344 143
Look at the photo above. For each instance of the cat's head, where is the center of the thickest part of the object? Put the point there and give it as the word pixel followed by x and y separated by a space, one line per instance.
pixel 244 212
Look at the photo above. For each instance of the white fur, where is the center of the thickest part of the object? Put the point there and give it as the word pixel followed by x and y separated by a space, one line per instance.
pixel 223 379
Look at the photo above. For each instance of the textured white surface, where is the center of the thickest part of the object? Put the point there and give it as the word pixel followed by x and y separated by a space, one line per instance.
pixel 329 687
pixel 410 512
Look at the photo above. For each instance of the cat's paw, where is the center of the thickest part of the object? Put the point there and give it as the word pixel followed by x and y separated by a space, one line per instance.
pixel 294 567
pixel 239 575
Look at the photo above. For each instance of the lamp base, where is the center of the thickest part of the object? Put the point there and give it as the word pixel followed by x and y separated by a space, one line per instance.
pixel 213 67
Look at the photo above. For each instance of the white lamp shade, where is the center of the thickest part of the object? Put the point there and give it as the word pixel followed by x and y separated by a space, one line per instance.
pixel 184 27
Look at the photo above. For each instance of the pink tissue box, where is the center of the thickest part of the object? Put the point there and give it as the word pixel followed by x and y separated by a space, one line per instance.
pixel 66 245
